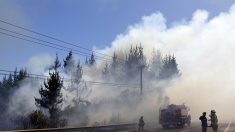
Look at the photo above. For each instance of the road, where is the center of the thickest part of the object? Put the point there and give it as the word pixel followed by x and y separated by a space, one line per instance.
pixel 149 127
pixel 195 127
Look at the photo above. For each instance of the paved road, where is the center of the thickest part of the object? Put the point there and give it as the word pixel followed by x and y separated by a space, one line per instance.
pixel 195 127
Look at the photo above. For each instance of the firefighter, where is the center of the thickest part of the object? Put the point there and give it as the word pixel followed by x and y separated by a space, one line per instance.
pixel 141 123
pixel 189 120
pixel 203 122
pixel 214 121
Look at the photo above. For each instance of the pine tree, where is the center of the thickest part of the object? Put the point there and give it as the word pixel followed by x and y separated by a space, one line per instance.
pixel 56 64
pixel 76 87
pixel 38 120
pixel 10 81
pixel 77 75
pixel 169 68
pixel 174 66
pixel 134 61
pixel 114 64
pixel 21 76
pixel 1 93
pixel 92 60
pixel 86 61
pixel 4 81
pixel 69 63
pixel 51 96
pixel 106 70
pixel 15 77
pixel 156 64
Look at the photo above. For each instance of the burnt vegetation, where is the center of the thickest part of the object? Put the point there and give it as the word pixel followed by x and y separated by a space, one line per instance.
pixel 51 110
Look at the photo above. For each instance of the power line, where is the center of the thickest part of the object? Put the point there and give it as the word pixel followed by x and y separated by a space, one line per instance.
pixel 19 72
pixel 100 83
pixel 27 76
pixel 110 83
pixel 65 50
pixel 45 41
pixel 37 76
pixel 29 30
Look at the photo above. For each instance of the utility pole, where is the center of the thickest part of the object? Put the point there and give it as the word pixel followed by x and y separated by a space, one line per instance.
pixel 141 80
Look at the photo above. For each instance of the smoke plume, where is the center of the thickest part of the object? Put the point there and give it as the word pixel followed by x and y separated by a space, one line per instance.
pixel 204 49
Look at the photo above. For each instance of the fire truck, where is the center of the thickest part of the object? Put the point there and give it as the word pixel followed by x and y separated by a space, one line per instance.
pixel 176 116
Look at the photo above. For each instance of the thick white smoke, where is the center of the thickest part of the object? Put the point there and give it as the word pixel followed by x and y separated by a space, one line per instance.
pixel 22 101
pixel 204 49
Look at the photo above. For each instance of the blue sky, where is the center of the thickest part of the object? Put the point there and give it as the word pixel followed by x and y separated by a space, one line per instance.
pixel 88 23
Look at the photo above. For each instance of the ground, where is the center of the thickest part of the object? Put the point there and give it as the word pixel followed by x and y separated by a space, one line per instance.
pixel 195 127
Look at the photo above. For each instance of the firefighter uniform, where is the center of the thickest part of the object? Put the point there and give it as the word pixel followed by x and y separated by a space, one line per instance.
pixel 141 123
pixel 203 122
pixel 214 121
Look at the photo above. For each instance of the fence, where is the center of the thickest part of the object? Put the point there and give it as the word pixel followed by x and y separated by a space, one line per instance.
pixel 108 128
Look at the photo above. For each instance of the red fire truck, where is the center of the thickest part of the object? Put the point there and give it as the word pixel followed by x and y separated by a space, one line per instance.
pixel 174 116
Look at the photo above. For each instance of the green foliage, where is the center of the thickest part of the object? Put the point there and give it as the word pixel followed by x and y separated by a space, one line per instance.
pixel 51 96
pixel 169 68
pixel 114 64
pixel 38 119
pixel 92 59
pixel 134 62
pixel 155 64
pixel 77 74
pixel 86 62
pixel 21 76
pixel 106 70
pixel 8 87
pixel 56 64
pixel 157 68
pixel 69 63
pixel 77 113
pixel 10 83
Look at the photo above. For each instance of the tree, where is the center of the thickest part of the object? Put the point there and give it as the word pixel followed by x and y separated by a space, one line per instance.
pixel 51 96
pixel 156 64
pixel 86 61
pixel 92 59
pixel 4 81
pixel 8 87
pixel 76 78
pixel 15 77
pixel 77 87
pixel 114 65
pixel 106 70
pixel 115 62
pixel 69 63
pixel 110 71
pixel 38 119
pixel 169 68
pixel 56 64
pixel 77 74
pixel 10 81
pixel 21 76
pixel 135 60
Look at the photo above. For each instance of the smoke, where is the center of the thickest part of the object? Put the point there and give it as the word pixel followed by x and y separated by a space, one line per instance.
pixel 22 100
pixel 204 49
pixel 40 63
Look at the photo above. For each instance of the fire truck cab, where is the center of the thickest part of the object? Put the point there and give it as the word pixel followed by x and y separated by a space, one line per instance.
pixel 174 116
